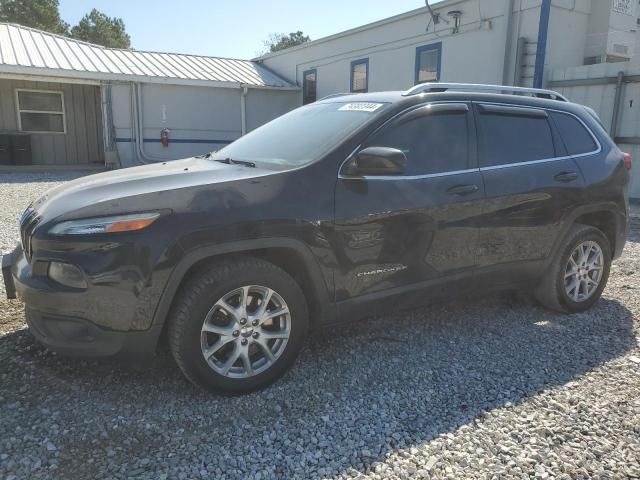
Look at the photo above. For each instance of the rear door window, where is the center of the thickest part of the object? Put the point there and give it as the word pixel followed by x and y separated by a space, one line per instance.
pixel 435 138
pixel 509 135
pixel 575 135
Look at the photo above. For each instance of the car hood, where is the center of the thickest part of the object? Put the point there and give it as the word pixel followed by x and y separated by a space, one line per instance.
pixel 109 188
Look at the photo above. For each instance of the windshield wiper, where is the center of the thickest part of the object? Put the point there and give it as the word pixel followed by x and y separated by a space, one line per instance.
pixel 231 161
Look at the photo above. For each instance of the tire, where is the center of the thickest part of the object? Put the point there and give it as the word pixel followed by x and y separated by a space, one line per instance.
pixel 557 294
pixel 208 313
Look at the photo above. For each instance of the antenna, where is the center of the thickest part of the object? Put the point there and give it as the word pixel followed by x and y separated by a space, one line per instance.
pixel 456 14
pixel 435 16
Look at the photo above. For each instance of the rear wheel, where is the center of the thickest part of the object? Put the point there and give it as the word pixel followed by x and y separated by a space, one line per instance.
pixel 239 326
pixel 579 273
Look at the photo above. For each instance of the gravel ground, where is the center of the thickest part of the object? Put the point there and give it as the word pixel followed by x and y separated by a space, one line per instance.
pixel 493 388
pixel 17 190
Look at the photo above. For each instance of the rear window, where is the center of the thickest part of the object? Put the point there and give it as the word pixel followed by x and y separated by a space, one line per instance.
pixel 513 138
pixel 575 136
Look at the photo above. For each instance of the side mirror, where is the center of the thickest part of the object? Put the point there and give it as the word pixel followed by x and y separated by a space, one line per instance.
pixel 378 161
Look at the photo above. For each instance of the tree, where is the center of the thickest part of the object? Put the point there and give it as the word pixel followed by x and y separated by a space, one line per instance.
pixel 98 28
pixel 280 41
pixel 40 14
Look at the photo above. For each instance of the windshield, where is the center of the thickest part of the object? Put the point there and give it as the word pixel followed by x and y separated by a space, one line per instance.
pixel 300 136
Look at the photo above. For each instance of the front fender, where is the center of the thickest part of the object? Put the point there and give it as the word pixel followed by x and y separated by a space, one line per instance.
pixel 318 284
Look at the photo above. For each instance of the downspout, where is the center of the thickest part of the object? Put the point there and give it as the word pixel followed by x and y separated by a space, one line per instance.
pixel 142 157
pixel 508 33
pixel 616 106
pixel 243 109
pixel 541 51
pixel 132 126
pixel 111 158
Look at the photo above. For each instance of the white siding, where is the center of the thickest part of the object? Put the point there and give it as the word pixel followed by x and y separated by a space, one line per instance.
pixel 601 99
pixel 475 54
pixel 200 119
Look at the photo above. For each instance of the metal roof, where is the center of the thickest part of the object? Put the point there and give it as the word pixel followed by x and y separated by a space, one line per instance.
pixel 29 51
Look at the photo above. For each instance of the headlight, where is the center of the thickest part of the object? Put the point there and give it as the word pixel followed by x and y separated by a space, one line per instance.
pixel 120 223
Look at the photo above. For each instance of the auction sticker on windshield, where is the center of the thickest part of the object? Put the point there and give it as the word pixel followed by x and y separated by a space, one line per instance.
pixel 360 107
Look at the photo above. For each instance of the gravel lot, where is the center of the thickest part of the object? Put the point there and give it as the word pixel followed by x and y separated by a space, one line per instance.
pixel 491 388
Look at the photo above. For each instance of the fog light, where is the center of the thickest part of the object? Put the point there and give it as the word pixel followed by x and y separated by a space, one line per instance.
pixel 67 274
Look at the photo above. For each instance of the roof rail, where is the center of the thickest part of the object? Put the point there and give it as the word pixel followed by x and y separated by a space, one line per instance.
pixel 473 87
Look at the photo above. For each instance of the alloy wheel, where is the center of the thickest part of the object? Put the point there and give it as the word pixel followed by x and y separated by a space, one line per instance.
pixel 245 332
pixel 583 271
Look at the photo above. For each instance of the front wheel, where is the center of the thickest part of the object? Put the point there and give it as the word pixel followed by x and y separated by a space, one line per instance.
pixel 579 272
pixel 238 326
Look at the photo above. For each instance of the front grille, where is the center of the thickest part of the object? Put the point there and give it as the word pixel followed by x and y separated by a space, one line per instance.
pixel 28 222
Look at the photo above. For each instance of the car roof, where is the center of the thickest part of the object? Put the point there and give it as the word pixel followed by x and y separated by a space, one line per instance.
pixel 402 100
pixel 381 97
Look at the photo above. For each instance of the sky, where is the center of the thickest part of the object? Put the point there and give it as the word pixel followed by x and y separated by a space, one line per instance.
pixel 227 28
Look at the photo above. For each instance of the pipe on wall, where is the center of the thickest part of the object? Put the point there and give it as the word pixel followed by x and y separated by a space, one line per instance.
pixel 508 33
pixel 137 127
pixel 105 93
pixel 541 51
pixel 111 157
pixel 137 122
pixel 616 105
pixel 243 109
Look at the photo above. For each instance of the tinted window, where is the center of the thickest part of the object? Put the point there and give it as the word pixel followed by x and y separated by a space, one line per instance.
pixel 517 138
pixel 309 86
pixel 575 136
pixel 434 143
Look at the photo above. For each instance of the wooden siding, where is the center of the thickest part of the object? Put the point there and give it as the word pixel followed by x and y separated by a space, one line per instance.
pixel 81 144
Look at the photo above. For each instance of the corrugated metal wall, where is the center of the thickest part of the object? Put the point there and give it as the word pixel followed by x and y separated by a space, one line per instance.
pixel 594 86
pixel 199 119
pixel 81 144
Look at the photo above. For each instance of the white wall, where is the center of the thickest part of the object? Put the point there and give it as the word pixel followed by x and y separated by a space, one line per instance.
pixel 200 119
pixel 475 54
pixel 265 105
pixel 609 28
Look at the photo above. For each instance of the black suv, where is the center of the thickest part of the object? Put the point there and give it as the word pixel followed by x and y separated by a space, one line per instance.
pixel 351 205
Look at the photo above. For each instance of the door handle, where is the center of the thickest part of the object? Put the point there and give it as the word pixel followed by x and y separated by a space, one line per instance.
pixel 566 177
pixel 462 189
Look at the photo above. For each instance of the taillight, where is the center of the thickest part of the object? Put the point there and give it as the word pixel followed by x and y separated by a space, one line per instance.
pixel 628 162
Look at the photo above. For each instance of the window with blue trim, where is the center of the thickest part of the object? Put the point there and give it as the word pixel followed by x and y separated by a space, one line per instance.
pixel 309 86
pixel 360 75
pixel 428 63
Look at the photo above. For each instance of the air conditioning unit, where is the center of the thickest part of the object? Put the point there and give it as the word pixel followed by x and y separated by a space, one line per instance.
pixel 20 149
pixel 5 150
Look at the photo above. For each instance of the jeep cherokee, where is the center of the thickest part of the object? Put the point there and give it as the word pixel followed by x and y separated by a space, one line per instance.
pixel 351 205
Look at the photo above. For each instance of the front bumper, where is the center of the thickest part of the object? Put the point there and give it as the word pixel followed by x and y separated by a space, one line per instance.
pixel 79 337
pixel 56 318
